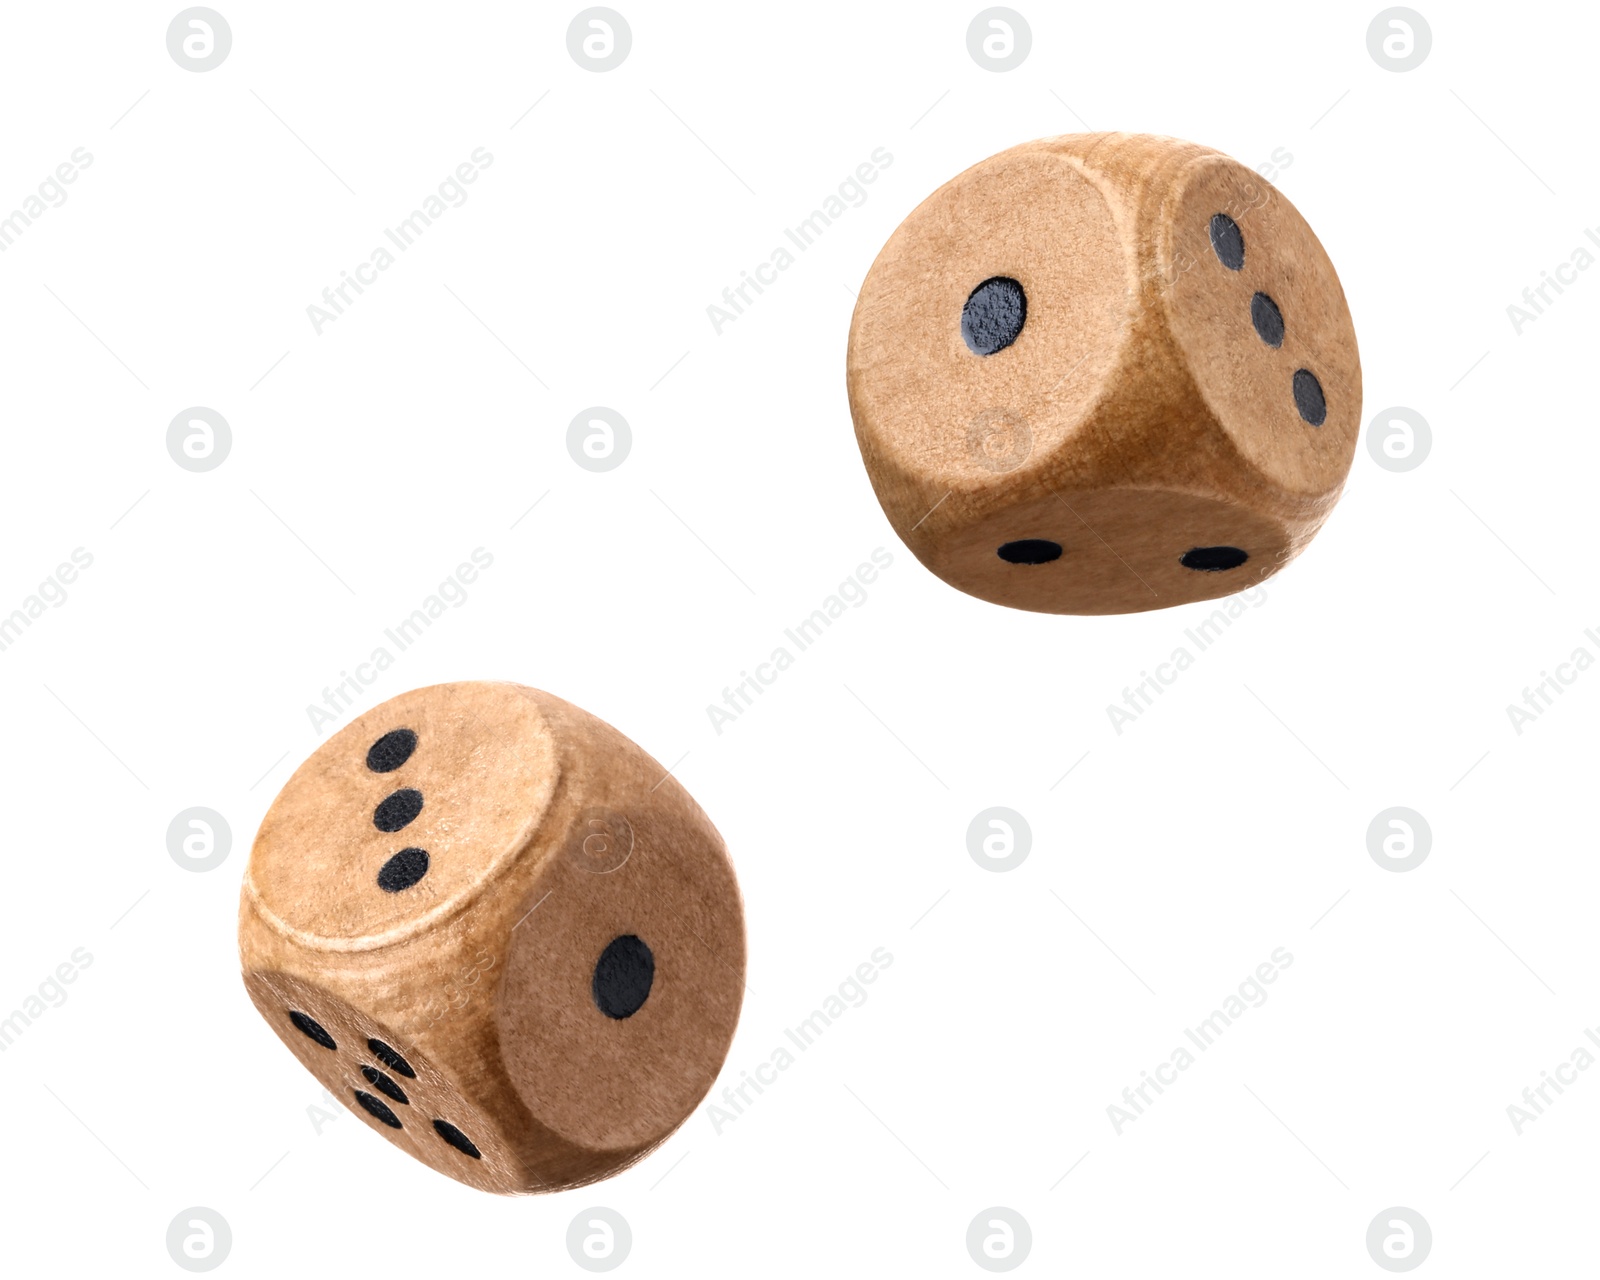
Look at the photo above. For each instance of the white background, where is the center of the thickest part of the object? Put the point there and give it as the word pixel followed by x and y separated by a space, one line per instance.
pixel 1229 820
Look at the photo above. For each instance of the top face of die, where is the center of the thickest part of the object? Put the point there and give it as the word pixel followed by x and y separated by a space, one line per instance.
pixel 990 322
pixel 403 816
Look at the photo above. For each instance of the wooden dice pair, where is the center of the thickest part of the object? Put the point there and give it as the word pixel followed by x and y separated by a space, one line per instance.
pixel 1104 373
pixel 499 932
pixel 1092 374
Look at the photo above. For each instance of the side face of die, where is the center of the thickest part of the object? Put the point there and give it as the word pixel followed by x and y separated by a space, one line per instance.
pixel 499 932
pixel 1103 374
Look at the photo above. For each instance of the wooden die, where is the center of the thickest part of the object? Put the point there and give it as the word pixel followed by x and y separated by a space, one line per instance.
pixel 499 932
pixel 1104 373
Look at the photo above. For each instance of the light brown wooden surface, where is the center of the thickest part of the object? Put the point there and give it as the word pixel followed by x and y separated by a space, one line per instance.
pixel 1138 414
pixel 549 834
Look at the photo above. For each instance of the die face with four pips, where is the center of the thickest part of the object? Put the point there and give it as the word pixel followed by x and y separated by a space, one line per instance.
pixel 1104 373
pixel 499 932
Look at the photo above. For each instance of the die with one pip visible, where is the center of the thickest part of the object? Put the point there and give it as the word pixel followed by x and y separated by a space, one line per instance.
pixel 499 932
pixel 1104 373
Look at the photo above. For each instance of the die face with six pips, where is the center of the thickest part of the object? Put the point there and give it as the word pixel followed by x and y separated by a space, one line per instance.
pixel 1104 373
pixel 499 932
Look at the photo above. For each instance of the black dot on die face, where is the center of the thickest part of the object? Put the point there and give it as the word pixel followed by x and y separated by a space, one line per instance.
pixel 384 1054
pixel 457 1139
pixel 391 751
pixel 377 1108
pixel 1227 240
pixel 312 1029
pixel 1308 397
pixel 1268 320
pixel 403 870
pixel 384 1085
pixel 1214 559
pixel 1030 551
pixel 993 315
pixel 397 809
pixel 623 976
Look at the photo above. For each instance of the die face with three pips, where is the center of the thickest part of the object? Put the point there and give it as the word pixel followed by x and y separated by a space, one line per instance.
pixel 1104 373
pixel 499 932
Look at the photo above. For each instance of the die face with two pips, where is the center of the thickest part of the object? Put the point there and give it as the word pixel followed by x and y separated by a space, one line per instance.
pixel 499 932
pixel 1104 373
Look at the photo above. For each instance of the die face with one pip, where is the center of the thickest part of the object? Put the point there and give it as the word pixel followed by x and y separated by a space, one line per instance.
pixel 1104 373
pixel 499 932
